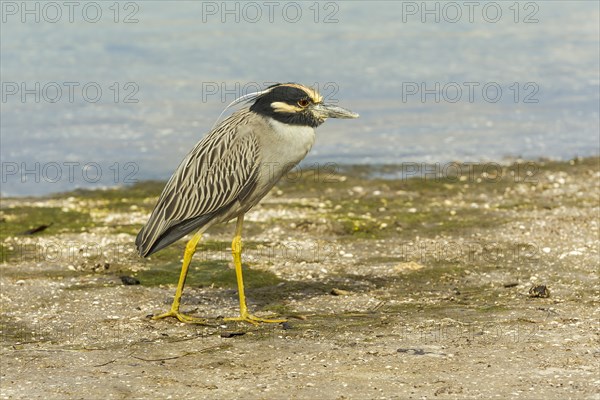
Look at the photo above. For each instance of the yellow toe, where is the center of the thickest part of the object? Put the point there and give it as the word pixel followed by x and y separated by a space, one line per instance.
pixel 251 319
pixel 182 317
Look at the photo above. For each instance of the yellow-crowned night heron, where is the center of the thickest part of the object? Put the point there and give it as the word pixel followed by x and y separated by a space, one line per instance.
pixel 230 170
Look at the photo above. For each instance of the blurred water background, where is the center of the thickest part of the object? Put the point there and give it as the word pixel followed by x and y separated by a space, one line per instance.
pixel 166 69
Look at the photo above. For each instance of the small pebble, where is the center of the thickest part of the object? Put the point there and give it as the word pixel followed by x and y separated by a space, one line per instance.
pixel 129 280
pixel 231 334
pixel 339 292
pixel 539 291
pixel 286 326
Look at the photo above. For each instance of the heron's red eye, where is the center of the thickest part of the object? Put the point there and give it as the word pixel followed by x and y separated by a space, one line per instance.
pixel 303 103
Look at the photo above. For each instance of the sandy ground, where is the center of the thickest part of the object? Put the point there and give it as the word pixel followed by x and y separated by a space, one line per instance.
pixel 383 310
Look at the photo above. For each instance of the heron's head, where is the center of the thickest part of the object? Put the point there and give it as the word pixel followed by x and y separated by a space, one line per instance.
pixel 295 104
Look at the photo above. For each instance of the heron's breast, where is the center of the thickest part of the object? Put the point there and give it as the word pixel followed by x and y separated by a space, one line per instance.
pixel 287 145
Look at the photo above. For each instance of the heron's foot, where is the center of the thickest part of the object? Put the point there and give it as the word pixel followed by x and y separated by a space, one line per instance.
pixel 182 317
pixel 251 319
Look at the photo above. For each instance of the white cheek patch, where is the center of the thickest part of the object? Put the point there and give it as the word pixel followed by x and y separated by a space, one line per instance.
pixel 281 107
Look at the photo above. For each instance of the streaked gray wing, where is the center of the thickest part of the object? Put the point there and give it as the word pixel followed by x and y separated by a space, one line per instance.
pixel 221 170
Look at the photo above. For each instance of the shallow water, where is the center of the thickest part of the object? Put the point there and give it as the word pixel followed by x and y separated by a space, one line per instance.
pixel 165 78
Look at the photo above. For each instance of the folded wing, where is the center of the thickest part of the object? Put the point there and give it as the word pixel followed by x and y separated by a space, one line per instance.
pixel 216 176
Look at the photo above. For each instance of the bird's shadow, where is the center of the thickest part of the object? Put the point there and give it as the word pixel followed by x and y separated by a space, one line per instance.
pixel 264 290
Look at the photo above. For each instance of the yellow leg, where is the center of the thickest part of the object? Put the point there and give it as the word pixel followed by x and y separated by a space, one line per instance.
pixel 236 250
pixel 190 249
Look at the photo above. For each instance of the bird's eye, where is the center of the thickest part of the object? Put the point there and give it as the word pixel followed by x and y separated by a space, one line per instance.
pixel 303 103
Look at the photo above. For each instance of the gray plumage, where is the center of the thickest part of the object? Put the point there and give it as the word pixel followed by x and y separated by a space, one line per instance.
pixel 224 176
pixel 229 171
pixel 237 163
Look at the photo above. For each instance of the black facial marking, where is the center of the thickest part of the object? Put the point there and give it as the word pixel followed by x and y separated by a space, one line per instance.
pixel 291 96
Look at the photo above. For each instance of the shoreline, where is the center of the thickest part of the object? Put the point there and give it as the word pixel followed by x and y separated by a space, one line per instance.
pixel 367 170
